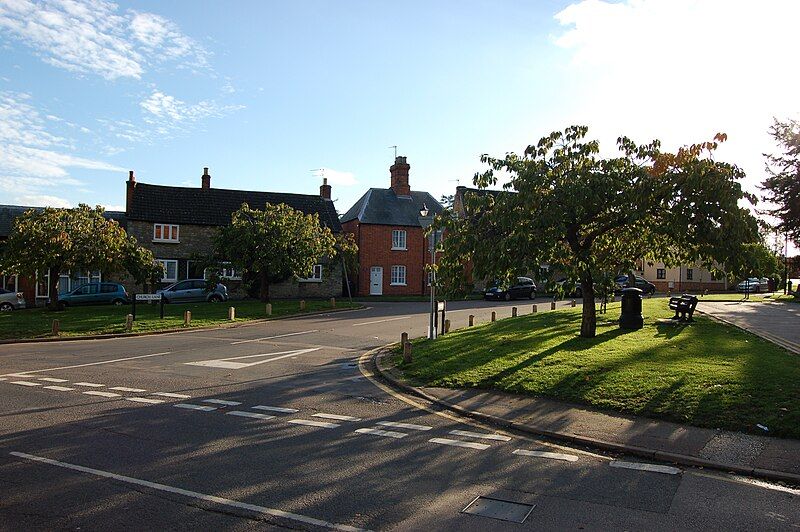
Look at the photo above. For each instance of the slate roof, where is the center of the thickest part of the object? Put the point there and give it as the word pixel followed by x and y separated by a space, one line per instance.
pixel 9 212
pixel 214 206
pixel 383 207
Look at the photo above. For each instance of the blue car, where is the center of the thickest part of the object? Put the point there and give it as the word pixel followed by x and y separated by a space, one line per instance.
pixel 95 294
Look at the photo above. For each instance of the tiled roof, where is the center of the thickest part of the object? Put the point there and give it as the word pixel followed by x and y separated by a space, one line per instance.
pixel 214 206
pixel 9 212
pixel 382 206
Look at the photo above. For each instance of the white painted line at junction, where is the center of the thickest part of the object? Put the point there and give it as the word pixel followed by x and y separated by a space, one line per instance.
pixel 459 443
pixel 25 383
pixel 90 384
pixel 60 388
pixel 545 454
pixel 89 364
pixel 229 363
pixel 20 374
pixel 255 415
pixel 3 379
pixel 102 394
pixel 144 400
pixel 468 434
pixel 192 494
pixel 379 432
pixel 410 426
pixel 652 468
pixel 124 389
pixel 51 379
pixel 276 409
pixel 273 337
pixel 202 408
pixel 312 423
pixel 172 395
pixel 380 321
pixel 221 402
pixel 337 417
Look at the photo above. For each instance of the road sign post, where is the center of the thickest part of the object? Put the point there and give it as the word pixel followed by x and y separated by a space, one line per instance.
pixel 147 297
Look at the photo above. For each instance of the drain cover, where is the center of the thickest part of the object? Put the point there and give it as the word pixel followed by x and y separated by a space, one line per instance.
pixel 516 512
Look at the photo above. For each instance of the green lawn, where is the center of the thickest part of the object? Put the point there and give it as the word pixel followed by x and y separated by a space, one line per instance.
pixel 706 374
pixel 105 319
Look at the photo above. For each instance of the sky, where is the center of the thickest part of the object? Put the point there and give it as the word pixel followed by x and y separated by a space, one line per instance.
pixel 271 95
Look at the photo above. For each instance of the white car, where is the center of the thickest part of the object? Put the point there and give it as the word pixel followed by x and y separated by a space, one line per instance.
pixel 753 284
pixel 11 300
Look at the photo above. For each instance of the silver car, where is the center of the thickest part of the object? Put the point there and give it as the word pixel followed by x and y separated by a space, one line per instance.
pixel 193 290
pixel 11 300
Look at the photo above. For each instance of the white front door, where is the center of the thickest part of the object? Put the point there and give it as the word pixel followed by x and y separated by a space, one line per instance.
pixel 376 281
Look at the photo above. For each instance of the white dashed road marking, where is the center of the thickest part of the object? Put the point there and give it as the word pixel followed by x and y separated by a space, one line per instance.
pixel 144 400
pixel 379 321
pixel 90 384
pixel 272 337
pixel 255 415
pixel 276 409
pixel 60 388
pixel 337 417
pixel 221 402
pixel 25 383
pixel 193 494
pixel 172 395
pixel 546 454
pixel 458 443
pixel 124 389
pixel 409 426
pixel 51 379
pixel 652 468
pixel 102 394
pixel 230 362
pixel 468 434
pixel 312 423
pixel 202 408
pixel 379 432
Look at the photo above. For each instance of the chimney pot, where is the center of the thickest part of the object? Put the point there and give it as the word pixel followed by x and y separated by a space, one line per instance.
pixel 399 172
pixel 325 189
pixel 205 178
pixel 131 177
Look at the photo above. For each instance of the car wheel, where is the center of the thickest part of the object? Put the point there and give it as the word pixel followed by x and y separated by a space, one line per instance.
pixel 532 295
pixel 118 302
pixel 507 297
pixel 579 293
pixel 6 307
pixel 652 291
pixel 214 299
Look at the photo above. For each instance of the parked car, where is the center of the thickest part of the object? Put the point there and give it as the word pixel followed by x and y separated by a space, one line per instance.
pixel 752 284
pixel 642 284
pixel 193 290
pixel 11 300
pixel 95 294
pixel 524 288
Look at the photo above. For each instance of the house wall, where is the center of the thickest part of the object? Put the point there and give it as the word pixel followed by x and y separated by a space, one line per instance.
pixel 676 279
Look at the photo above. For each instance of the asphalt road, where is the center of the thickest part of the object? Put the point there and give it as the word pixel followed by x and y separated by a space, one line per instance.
pixel 273 425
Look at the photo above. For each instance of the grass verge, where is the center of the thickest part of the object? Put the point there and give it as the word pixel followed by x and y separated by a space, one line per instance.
pixel 706 374
pixel 109 319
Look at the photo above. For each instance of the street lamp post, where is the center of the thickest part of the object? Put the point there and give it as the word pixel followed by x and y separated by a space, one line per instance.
pixel 425 220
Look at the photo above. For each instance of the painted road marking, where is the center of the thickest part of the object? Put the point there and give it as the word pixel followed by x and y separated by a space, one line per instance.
pixel 90 384
pixel 337 417
pixel 19 374
pixel 173 395
pixel 380 321
pixel 276 409
pixel 312 423
pixel 228 363
pixel 192 494
pixel 379 432
pixel 653 468
pixel 25 383
pixel 124 389
pixel 60 388
pixel 202 408
pixel 399 425
pixel 273 337
pixel 468 434
pixel 102 394
pixel 93 363
pixel 250 414
pixel 221 402
pixel 3 379
pixel 144 400
pixel 51 379
pixel 545 454
pixel 458 443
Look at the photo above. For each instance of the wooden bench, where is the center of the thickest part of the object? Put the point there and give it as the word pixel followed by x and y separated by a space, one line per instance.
pixel 683 306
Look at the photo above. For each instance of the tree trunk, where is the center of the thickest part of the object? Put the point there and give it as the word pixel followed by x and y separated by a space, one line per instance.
pixel 263 292
pixel 53 288
pixel 589 315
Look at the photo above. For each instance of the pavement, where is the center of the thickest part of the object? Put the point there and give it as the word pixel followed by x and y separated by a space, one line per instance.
pixel 274 425
pixel 776 321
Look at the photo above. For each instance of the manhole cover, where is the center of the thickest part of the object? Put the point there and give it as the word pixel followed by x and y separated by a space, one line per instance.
pixel 515 512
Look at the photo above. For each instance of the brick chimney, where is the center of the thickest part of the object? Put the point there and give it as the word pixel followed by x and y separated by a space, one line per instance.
pixel 399 171
pixel 131 183
pixel 206 178
pixel 325 189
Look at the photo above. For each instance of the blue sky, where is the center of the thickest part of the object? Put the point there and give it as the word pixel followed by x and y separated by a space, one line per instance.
pixel 263 92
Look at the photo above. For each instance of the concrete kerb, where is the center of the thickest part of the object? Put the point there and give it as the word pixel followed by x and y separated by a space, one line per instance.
pixel 181 329
pixel 387 371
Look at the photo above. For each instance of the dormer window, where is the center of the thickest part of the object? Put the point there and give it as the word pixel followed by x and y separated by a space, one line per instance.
pixel 166 233
pixel 399 239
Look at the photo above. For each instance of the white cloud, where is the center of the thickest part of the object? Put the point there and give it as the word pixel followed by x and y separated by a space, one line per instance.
pixel 683 70
pixel 168 115
pixel 93 36
pixel 336 177
pixel 42 200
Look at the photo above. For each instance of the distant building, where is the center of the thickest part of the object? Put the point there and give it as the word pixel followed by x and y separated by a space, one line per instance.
pixel 686 278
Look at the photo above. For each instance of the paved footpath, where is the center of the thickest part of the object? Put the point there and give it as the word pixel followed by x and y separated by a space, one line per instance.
pixel 775 321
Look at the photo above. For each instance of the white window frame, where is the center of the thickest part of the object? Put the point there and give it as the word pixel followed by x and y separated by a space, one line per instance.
pixel 316 276
pixel 46 283
pixel 164 263
pixel 5 279
pixel 399 240
pixel 396 278
pixel 168 227
pixel 659 276
pixel 226 271
pixel 690 274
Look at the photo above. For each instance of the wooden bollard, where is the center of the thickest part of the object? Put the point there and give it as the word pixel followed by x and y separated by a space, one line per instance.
pixel 446 326
pixel 534 309
pixel 187 318
pixel 471 320
pixel 403 338
pixel 56 327
pixel 494 316
pixel 333 302
pixel 552 305
pixel 407 352
pixel 269 309
pixel 513 312
pixel 231 313
pixel 573 303
pixel 129 322
pixel 302 305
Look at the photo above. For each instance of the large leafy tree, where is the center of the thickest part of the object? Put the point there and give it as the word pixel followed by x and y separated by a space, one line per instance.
pixel 589 216
pixel 275 243
pixel 782 185
pixel 55 240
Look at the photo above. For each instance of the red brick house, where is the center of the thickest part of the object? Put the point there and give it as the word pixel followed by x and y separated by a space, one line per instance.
pixel 392 248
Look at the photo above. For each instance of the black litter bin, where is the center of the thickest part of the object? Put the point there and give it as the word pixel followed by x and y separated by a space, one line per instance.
pixel 631 317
